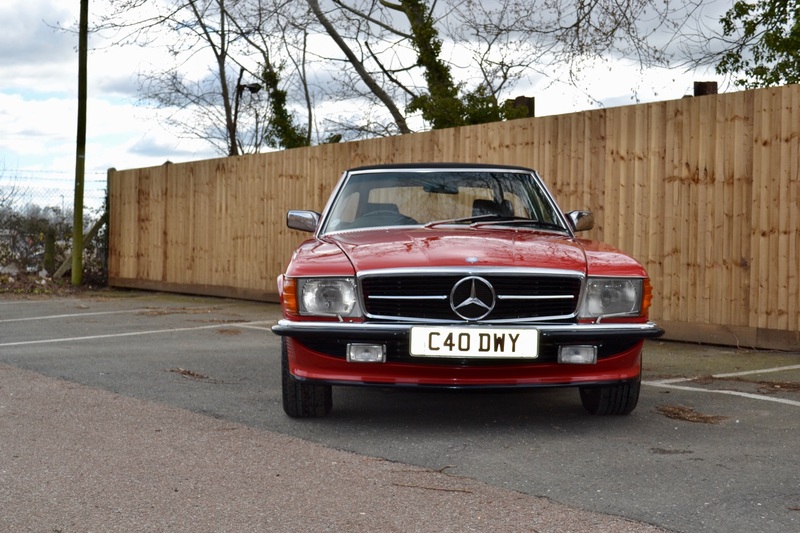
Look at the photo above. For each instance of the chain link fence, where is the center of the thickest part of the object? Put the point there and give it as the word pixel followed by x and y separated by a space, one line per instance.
pixel 36 221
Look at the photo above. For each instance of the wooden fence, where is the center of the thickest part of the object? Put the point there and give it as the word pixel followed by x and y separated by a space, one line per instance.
pixel 704 191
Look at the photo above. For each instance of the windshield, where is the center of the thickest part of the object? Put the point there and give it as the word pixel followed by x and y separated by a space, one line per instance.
pixel 392 197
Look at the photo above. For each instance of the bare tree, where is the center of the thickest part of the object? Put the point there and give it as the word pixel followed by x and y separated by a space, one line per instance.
pixel 222 101
pixel 330 69
pixel 453 61
pixel 357 64
pixel 514 39
pixel 288 29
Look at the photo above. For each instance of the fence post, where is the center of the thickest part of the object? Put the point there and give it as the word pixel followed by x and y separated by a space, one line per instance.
pixel 50 249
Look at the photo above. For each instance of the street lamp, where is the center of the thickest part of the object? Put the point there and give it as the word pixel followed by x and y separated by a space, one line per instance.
pixel 253 88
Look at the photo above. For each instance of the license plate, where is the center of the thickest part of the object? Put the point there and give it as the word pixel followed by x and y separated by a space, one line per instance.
pixel 432 341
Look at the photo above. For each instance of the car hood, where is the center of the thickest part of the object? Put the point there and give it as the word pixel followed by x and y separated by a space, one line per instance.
pixel 479 247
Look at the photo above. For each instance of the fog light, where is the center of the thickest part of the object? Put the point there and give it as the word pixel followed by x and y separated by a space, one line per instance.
pixel 577 355
pixel 366 353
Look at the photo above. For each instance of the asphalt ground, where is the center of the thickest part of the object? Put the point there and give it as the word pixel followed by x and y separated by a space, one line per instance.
pixel 130 411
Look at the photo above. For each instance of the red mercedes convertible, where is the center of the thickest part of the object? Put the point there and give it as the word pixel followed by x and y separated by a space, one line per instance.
pixel 458 276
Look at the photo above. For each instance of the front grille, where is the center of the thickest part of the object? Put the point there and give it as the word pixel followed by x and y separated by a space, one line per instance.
pixel 427 296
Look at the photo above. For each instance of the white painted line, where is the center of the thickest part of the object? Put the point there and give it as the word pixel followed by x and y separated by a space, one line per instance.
pixel 761 371
pixel 117 335
pixel 666 382
pixel 670 381
pixel 670 384
pixel 167 310
pixel 15 302
pixel 70 315
pixel 728 392
pixel 254 325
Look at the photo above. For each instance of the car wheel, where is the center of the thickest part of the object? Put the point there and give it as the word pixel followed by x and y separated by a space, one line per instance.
pixel 302 399
pixel 620 399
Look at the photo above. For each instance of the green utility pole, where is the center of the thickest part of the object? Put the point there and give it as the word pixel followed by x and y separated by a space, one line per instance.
pixel 80 153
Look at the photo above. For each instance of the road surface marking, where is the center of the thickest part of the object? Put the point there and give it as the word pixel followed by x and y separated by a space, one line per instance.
pixel 672 384
pixel 129 334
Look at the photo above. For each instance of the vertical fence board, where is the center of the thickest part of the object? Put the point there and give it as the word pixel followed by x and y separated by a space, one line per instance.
pixel 759 290
pixel 656 198
pixel 639 183
pixel 176 225
pixel 772 201
pixel 781 213
pixel 672 213
pixel 689 215
pixel 792 138
pixel 720 249
pixel 789 230
pixel 743 201
pixel 597 169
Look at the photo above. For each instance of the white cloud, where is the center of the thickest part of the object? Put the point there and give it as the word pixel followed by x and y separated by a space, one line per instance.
pixel 611 82
pixel 38 103
pixel 28 38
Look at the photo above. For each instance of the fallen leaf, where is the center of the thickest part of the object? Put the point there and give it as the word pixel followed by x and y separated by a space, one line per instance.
pixel 679 412
pixel 188 373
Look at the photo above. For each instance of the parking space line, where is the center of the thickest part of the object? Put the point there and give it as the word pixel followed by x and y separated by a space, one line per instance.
pixel 117 335
pixel 253 325
pixel 15 302
pixel 70 315
pixel 718 391
pixel 97 313
pixel 760 371
pixel 672 384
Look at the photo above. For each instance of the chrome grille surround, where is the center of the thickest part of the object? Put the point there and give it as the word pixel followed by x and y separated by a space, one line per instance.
pixel 426 294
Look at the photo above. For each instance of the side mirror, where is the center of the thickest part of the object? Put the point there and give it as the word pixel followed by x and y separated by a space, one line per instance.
pixel 303 220
pixel 581 220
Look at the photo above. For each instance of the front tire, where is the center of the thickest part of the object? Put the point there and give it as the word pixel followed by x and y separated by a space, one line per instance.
pixel 612 400
pixel 302 399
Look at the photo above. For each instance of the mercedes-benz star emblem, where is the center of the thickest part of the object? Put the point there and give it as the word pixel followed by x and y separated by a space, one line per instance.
pixel 472 298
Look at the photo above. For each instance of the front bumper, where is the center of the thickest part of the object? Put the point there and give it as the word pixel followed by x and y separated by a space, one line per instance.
pixel 316 352
pixel 376 331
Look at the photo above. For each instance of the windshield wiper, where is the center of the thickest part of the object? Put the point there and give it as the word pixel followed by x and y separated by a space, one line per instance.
pixel 497 220
pixel 462 220
pixel 521 221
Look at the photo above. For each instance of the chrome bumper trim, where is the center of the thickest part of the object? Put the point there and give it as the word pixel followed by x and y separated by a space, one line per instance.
pixel 371 329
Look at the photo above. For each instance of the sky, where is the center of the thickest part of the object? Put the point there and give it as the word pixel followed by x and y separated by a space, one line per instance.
pixel 38 104
pixel 39 109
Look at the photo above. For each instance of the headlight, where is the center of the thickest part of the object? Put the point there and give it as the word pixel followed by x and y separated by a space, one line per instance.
pixel 327 297
pixel 607 297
